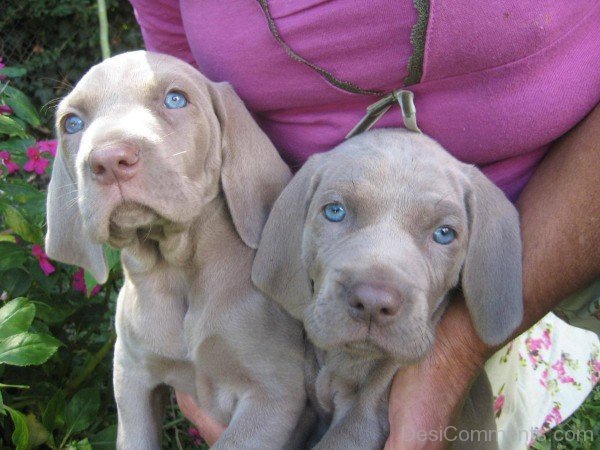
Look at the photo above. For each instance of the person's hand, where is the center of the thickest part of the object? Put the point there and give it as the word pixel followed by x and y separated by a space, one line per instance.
pixel 427 397
pixel 209 429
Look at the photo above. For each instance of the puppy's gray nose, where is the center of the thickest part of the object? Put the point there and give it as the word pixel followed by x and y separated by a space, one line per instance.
pixel 373 302
pixel 114 164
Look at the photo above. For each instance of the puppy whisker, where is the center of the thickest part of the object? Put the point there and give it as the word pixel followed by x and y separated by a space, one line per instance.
pixel 65 194
pixel 161 138
pixel 71 204
pixel 66 185
pixel 177 154
pixel 59 83
pixel 51 104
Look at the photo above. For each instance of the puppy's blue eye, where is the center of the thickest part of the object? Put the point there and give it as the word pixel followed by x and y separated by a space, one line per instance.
pixel 175 100
pixel 334 212
pixel 444 235
pixel 73 124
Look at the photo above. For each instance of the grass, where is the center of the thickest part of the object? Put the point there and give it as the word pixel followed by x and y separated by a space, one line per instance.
pixel 580 432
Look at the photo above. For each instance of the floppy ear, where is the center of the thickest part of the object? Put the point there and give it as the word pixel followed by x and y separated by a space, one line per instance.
pixel 492 274
pixel 279 270
pixel 66 240
pixel 252 172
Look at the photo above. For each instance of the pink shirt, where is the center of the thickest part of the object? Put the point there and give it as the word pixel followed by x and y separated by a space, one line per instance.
pixel 500 80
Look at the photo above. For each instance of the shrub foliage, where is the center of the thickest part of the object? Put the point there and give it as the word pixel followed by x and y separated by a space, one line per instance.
pixel 56 41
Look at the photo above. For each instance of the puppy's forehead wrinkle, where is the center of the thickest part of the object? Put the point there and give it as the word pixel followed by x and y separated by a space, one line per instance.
pixel 401 176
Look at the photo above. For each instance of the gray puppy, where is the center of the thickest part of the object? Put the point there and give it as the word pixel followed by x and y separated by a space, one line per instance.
pixel 364 246
pixel 159 161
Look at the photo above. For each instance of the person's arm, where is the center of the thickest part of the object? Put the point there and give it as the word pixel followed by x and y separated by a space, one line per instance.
pixel 560 225
pixel 209 428
pixel 162 27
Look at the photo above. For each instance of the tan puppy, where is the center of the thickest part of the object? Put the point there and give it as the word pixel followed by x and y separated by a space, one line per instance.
pixel 159 161
pixel 364 246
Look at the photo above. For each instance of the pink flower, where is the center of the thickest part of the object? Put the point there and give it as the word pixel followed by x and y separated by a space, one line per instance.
pixel 539 344
pixel 552 419
pixel 2 77
pixel 5 109
pixel 195 435
pixel 534 344
pixel 594 369
pixel 8 162
pixel 79 284
pixel 559 367
pixel 547 339
pixel 556 414
pixel 498 404
pixel 544 379
pixel 48 146
pixel 42 258
pixel 35 163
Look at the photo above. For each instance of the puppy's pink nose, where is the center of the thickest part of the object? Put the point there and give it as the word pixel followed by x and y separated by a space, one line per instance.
pixel 114 164
pixel 373 302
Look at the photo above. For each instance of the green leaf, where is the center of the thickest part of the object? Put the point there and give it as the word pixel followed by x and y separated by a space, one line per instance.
pixel 15 281
pixel 81 445
pixel 35 211
pixel 54 314
pixel 10 126
pixel 13 72
pixel 44 282
pixel 52 416
pixel 11 255
pixel 105 439
pixel 113 260
pixel 21 191
pixel 25 349
pixel 90 282
pixel 81 410
pixel 22 106
pixel 20 436
pixel 18 145
pixel 15 220
pixel 113 256
pixel 37 433
pixel 1 404
pixel 16 317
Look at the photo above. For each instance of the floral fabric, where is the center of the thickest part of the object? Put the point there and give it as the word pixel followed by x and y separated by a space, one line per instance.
pixel 540 379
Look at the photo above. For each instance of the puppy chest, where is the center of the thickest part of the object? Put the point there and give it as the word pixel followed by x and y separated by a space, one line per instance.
pixel 333 391
pixel 153 325
pixel 220 378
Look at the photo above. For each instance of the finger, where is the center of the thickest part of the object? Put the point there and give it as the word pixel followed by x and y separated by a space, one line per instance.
pixel 209 429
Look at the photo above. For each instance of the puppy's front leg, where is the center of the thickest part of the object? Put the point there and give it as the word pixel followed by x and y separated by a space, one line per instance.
pixel 261 422
pixel 360 419
pixel 140 404
pixel 360 428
